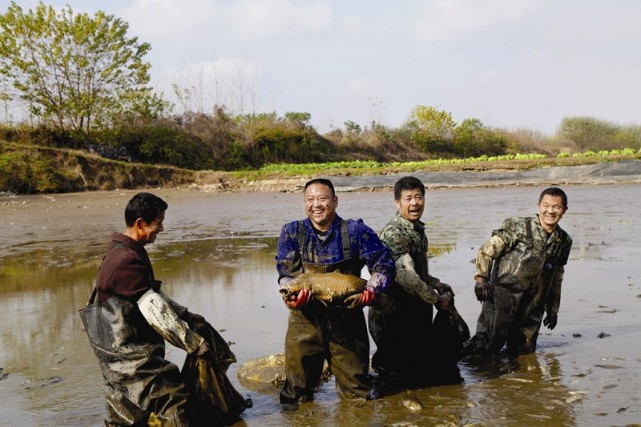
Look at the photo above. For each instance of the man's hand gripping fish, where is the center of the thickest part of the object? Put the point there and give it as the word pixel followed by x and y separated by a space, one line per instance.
pixel 326 287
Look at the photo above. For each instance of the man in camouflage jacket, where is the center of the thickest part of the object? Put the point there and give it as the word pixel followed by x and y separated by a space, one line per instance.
pixel 518 277
pixel 401 324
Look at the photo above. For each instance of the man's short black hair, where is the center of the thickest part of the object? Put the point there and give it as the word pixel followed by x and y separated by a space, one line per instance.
pixel 321 181
pixel 146 206
pixel 407 183
pixel 555 192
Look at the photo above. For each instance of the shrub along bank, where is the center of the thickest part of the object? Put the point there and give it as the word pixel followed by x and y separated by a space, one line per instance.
pixel 28 169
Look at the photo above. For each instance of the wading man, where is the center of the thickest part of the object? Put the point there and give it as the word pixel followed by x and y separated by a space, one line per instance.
pixel 518 278
pixel 131 321
pixel 408 348
pixel 337 332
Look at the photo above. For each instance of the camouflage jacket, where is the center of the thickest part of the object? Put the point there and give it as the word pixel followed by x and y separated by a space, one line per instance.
pixel 518 258
pixel 407 243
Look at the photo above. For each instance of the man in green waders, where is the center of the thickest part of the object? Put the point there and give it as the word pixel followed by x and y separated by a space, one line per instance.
pixel 519 272
pixel 412 347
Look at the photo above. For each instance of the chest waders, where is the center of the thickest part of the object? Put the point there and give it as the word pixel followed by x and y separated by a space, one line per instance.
pixel 521 280
pixel 334 333
pixel 131 356
pixel 402 328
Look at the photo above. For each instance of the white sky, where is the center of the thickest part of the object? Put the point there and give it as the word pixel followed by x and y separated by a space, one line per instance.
pixel 510 63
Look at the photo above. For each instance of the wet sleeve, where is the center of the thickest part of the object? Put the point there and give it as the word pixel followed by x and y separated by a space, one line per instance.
pixel 375 255
pixel 565 255
pixel 158 312
pixel 288 259
pixel 553 301
pixel 490 250
pixel 178 308
pixel 410 281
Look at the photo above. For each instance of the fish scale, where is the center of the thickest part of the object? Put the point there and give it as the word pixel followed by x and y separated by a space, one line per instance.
pixel 327 287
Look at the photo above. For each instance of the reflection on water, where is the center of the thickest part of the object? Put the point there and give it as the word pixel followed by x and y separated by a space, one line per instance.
pixel 217 257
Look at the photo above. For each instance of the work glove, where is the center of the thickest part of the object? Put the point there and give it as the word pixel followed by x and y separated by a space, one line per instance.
pixel 482 289
pixel 192 319
pixel 298 301
pixel 550 320
pixel 444 288
pixel 359 300
pixel 443 302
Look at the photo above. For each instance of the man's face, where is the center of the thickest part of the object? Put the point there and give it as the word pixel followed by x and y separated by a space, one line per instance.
pixel 551 210
pixel 411 204
pixel 320 206
pixel 147 232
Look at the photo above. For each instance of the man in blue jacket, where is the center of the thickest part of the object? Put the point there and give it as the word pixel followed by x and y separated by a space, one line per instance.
pixel 323 243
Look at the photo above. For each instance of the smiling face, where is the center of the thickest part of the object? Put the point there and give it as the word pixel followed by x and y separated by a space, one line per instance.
pixel 551 210
pixel 320 206
pixel 411 204
pixel 147 232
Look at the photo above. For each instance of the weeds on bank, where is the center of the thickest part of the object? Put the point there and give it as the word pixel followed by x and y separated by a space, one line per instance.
pixel 370 167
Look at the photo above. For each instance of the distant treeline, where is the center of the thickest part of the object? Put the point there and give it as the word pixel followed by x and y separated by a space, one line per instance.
pixel 224 142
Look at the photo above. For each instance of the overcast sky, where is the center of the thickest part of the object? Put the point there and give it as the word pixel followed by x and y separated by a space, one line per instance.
pixel 510 63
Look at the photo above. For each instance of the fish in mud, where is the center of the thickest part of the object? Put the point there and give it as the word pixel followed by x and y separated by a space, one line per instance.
pixel 326 287
pixel 411 402
pixel 265 371
pixel 268 372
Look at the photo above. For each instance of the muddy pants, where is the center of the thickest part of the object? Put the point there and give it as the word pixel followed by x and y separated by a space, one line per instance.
pixel 141 385
pixel 403 338
pixel 512 317
pixel 161 393
pixel 317 333
pixel 413 347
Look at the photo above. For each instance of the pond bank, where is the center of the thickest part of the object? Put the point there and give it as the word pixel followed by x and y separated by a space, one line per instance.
pixel 626 171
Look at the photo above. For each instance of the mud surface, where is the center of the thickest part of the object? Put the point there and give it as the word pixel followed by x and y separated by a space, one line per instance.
pixel 216 256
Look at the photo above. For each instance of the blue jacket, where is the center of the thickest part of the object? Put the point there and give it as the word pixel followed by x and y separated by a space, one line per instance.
pixel 365 247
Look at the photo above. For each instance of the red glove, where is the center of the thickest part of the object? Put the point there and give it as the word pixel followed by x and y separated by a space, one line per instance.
pixel 298 301
pixel 359 300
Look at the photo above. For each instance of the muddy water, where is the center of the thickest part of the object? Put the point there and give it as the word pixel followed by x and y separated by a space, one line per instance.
pixel 216 256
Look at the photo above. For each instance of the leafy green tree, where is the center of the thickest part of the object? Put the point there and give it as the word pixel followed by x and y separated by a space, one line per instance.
pixel 298 118
pixel 352 127
pixel 75 71
pixel 432 129
pixel 588 133
pixel 472 139
pixel 466 137
pixel 438 123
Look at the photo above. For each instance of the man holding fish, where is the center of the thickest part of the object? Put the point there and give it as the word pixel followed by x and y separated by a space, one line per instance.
pixel 326 319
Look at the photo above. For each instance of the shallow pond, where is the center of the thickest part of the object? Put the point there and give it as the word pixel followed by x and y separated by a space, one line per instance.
pixel 217 257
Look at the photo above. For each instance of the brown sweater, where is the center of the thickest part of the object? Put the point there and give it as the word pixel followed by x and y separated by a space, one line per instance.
pixel 126 271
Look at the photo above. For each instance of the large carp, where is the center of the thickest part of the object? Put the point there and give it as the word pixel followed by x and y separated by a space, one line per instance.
pixel 326 287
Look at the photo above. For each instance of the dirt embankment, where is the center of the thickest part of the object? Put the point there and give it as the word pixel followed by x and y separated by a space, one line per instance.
pixel 64 170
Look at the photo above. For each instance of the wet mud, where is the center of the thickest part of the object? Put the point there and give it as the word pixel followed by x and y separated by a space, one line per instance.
pixel 217 257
